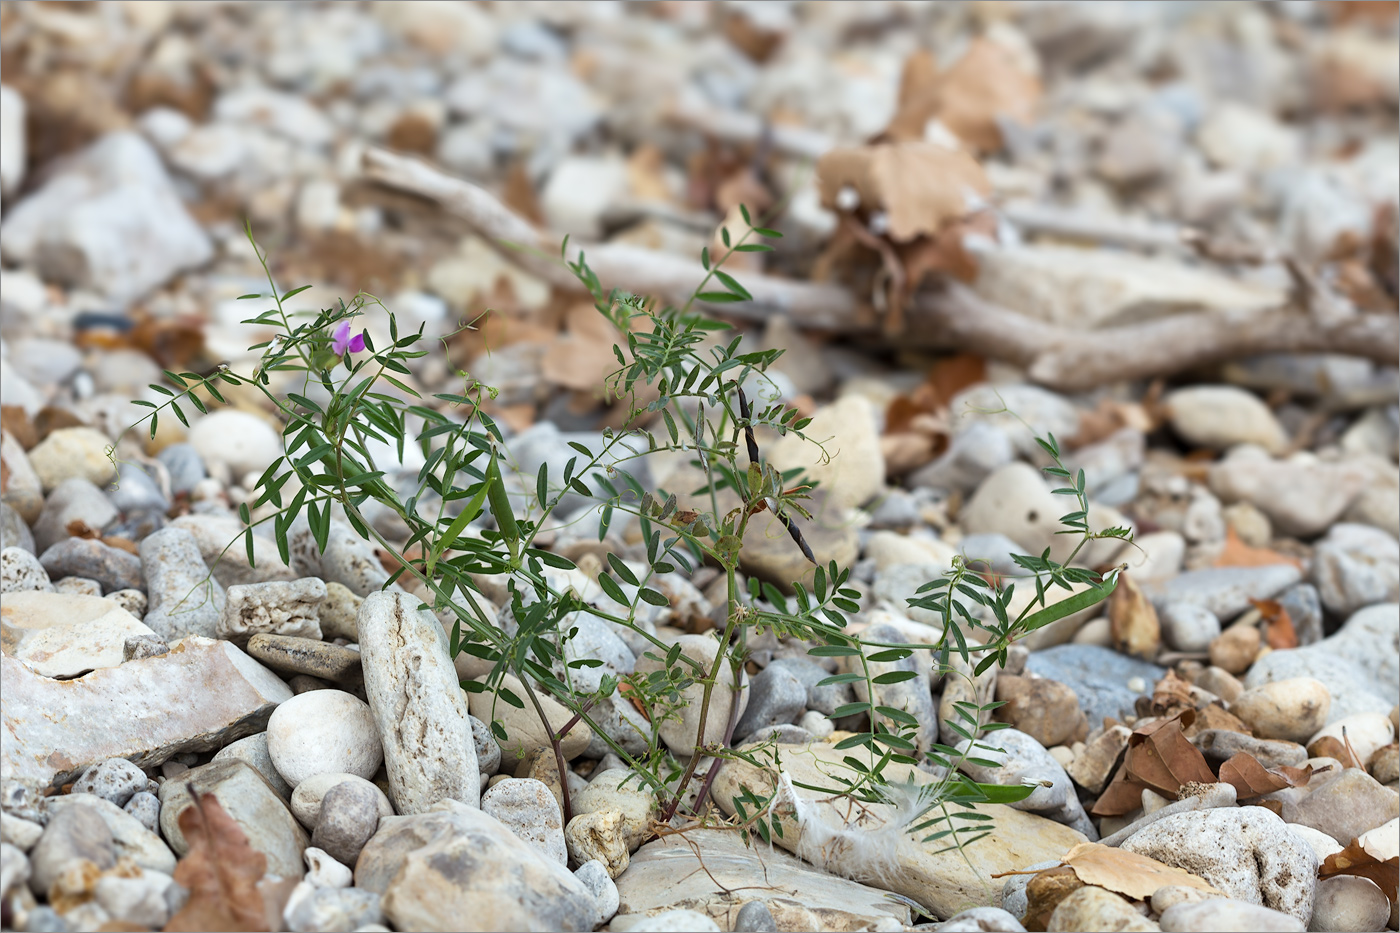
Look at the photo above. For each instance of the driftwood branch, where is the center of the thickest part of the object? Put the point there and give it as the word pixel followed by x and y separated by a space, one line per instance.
pixel 952 318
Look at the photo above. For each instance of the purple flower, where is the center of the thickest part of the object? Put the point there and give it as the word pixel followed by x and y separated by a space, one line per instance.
pixel 341 341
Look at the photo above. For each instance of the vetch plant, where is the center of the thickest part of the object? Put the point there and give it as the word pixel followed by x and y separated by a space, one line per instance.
pixel 472 523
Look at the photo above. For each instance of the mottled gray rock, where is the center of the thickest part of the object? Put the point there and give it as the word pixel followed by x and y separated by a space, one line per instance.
pixel 1246 852
pixel 133 839
pixel 115 779
pixel 72 500
pixel 252 804
pixel 144 807
pixel 1349 902
pixel 38 744
pixel 488 753
pixel 326 910
pixel 1355 566
pixel 140 647
pixel 981 920
pixel 1098 676
pixel 594 876
pixel 136 490
pixel 14 868
pixel 184 598
pixel 755 917
pixel 276 607
pixel 139 901
pixel 1344 807
pixel 112 567
pixel 435 868
pixel 969 459
pixel 349 816
pixel 77 586
pixel 352 562
pixel 21 572
pixel 527 808
pixel 1220 745
pixel 422 718
pixel 311 793
pixel 133 601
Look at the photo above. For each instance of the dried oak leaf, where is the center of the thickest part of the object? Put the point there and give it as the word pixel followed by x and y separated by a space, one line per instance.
pixel 985 84
pixel 1127 873
pixel 1278 624
pixel 920 186
pixel 1159 758
pixel 1252 779
pixel 1355 860
pixel 221 872
pixel 1238 554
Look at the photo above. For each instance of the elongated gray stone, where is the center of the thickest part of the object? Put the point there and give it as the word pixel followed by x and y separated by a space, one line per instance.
pixel 184 598
pixel 50 730
pixel 418 707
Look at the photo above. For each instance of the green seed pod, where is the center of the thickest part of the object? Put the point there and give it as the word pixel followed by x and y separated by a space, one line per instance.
pixel 500 503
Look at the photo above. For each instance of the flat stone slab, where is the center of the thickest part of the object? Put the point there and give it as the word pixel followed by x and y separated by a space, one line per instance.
pixel 712 872
pixel 65 634
pixel 200 696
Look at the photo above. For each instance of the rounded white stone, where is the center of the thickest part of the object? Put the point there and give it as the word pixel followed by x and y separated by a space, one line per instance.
pixel 243 442
pixel 322 731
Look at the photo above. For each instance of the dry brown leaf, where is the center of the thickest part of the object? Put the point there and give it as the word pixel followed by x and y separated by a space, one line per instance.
pixel 1132 619
pixel 221 872
pixel 78 528
pixel 1238 554
pixel 1355 860
pixel 985 83
pixel 1159 758
pixel 1127 873
pixel 749 37
pixel 948 376
pixel 1329 746
pixel 1171 695
pixel 1252 779
pixel 921 186
pixel 519 193
pixel 15 420
pixel 1377 13
pixel 1215 716
pixel 1278 624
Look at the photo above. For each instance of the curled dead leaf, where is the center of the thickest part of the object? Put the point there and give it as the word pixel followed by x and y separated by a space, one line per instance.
pixel 1127 873
pixel 1278 624
pixel 1355 860
pixel 221 872
pixel 985 84
pixel 1252 779
pixel 918 186
pixel 1238 554
pixel 1159 758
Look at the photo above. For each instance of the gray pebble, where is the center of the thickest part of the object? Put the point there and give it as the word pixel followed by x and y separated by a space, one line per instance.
pixel 112 567
pixel 73 499
pixel 776 697
pixel 1304 607
pixel 1188 627
pixel 74 832
pixel 755 917
pixel 1098 676
pixel 253 749
pixel 133 601
pixel 1220 745
pixel 44 919
pixel 14 532
pixel 78 586
pixel 145 806
pixel 185 599
pixel 115 779
pixel 349 817
pixel 594 875
pixel 135 490
pixel 306 656
pixel 488 752
pixel 185 465
pixel 140 647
